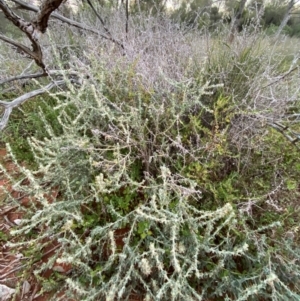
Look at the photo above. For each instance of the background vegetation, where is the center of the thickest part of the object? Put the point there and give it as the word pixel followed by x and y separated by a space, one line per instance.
pixel 174 161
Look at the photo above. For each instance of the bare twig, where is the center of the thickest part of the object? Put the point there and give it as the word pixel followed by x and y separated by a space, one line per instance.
pixel 8 106
pixel 6 210
pixel 37 75
pixel 286 17
pixel 279 78
pixel 4 276
pixel 127 16
pixel 29 29
pixel 104 26
pixel 285 131
pixel 18 45
pixel 26 6
pixel 25 76
pixel 98 16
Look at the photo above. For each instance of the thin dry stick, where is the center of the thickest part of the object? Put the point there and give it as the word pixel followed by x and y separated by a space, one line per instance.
pixel 8 106
pixel 127 16
pixel 25 76
pixel 37 75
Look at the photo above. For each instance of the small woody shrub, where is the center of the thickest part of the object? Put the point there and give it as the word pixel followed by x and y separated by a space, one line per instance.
pixel 153 180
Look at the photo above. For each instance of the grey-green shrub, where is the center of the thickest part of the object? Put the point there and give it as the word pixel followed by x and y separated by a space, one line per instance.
pixel 153 172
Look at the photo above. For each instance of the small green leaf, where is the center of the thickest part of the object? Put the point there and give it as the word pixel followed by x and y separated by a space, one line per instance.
pixel 3 236
pixel 291 184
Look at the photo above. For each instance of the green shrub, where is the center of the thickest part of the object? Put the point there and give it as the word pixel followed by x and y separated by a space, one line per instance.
pixel 171 183
pixel 30 121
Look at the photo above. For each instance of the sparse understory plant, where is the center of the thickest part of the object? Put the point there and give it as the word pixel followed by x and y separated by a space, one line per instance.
pixel 173 181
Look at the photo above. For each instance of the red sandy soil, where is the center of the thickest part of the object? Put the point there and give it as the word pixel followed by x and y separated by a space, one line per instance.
pixel 11 260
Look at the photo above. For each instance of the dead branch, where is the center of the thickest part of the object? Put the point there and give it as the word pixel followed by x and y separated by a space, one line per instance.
pixel 38 75
pixel 104 26
pixel 127 16
pixel 286 132
pixel 279 78
pixel 29 29
pixel 47 7
pixel 8 106
pixel 20 77
pixel 33 29
pixel 23 5
pixel 286 17
pixel 18 45
pixel 99 17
